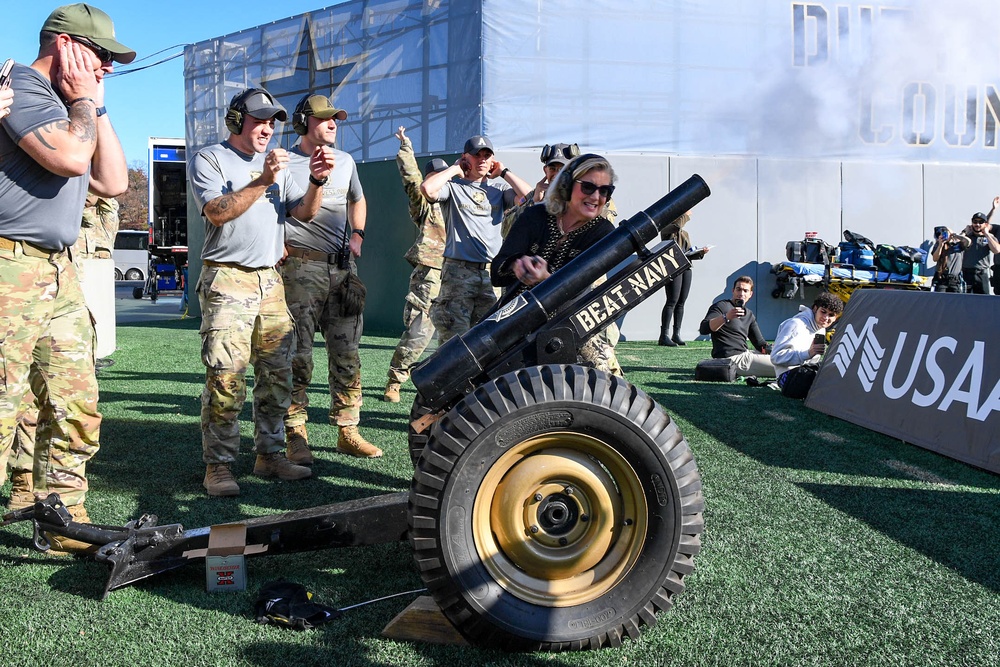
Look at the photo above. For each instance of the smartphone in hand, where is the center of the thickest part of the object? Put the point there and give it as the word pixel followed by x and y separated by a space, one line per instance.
pixel 5 73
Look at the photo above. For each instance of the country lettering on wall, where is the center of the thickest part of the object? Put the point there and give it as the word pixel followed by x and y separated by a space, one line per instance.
pixel 956 115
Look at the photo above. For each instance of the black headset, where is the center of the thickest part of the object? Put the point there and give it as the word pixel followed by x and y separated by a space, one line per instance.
pixel 238 107
pixel 564 182
pixel 299 122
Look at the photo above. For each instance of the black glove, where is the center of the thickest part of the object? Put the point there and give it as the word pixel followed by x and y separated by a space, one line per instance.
pixel 289 605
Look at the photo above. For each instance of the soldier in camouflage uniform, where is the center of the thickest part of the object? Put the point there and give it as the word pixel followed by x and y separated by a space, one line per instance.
pixel 244 193
pixel 96 240
pixel 320 263
pixel 473 205
pixel 99 228
pixel 57 141
pixel 425 255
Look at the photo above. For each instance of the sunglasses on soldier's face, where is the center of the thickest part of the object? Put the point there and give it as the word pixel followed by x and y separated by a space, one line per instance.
pixel 588 188
pixel 102 53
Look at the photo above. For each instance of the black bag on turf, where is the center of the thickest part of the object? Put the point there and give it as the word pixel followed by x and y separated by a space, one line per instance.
pixel 715 370
pixel 796 382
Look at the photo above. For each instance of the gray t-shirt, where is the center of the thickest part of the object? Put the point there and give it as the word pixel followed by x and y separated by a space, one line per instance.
pixel 978 255
pixel 473 212
pixel 325 232
pixel 36 205
pixel 256 238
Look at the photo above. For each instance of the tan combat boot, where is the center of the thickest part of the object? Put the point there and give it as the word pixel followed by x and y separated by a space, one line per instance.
pixel 219 480
pixel 391 392
pixel 297 441
pixel 351 442
pixel 22 489
pixel 60 546
pixel 276 465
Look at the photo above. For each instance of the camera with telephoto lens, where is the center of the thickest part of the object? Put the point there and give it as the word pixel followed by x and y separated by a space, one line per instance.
pixel 941 233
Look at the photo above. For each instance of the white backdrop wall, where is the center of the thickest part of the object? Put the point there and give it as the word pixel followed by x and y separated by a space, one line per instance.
pixel 803 116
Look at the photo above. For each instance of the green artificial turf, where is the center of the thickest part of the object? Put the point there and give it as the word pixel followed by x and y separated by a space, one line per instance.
pixel 825 544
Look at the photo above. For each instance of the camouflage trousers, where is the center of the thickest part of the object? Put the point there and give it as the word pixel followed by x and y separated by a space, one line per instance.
pixel 22 453
pixel 599 351
pixel 425 284
pixel 466 296
pixel 244 321
pixel 44 322
pixel 314 299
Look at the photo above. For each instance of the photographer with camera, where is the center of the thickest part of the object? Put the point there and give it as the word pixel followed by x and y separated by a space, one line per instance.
pixel 947 254
pixel 731 323
pixel 978 257
pixel 801 340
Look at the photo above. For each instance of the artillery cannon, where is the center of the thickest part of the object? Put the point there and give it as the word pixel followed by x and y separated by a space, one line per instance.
pixel 552 507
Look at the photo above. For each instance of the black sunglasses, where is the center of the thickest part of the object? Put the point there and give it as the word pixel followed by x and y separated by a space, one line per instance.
pixel 102 53
pixel 588 188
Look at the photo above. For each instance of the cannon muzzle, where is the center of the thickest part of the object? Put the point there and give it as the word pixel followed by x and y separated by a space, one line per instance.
pixel 454 369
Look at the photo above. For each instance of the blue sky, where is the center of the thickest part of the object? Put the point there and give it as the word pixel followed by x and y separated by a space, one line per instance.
pixel 149 103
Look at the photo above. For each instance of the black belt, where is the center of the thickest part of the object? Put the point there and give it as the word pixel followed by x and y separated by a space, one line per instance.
pixel 482 266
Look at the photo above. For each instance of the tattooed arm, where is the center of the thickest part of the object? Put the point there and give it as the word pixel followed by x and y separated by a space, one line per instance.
pixel 66 146
pixel 230 206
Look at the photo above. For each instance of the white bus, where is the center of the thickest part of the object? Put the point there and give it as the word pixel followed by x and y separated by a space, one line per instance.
pixel 131 254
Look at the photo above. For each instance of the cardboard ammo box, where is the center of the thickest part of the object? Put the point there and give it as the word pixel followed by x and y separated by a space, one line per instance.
pixel 225 558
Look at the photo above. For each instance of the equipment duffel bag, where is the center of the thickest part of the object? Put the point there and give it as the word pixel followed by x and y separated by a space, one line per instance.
pixel 715 370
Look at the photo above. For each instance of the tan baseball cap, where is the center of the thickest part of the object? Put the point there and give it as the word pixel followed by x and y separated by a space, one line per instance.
pixel 319 106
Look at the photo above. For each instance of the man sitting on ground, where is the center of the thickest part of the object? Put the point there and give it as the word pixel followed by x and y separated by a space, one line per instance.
pixel 730 324
pixel 796 343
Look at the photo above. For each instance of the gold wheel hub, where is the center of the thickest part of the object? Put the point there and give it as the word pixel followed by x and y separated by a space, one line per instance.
pixel 560 519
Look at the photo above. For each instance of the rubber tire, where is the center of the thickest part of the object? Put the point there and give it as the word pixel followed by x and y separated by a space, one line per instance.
pixel 516 408
pixel 136 292
pixel 417 441
pixel 118 275
pixel 133 274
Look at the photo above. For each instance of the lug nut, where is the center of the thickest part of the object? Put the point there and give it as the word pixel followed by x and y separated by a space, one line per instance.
pixel 585 518
pixel 533 529
pixel 538 497
pixel 563 541
pixel 569 490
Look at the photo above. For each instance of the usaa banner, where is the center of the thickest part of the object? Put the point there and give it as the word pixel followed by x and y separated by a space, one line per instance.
pixel 919 366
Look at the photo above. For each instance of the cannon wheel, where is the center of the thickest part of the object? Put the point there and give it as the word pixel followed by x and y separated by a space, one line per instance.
pixel 417 440
pixel 555 508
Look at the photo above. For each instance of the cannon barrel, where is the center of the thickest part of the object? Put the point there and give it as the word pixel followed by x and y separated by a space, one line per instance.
pixel 452 370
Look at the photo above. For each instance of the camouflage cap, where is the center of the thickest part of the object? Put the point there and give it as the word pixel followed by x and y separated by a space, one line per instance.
pixel 82 20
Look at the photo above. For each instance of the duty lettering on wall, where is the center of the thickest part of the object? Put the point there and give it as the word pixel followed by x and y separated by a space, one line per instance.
pixel 913 88
pixel 613 299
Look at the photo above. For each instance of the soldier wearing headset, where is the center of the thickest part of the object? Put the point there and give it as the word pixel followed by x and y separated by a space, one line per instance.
pixel 245 191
